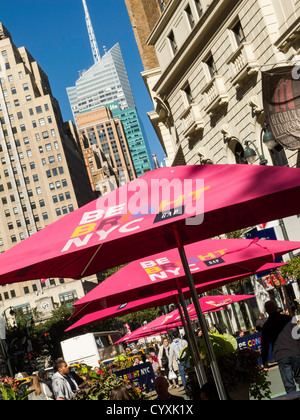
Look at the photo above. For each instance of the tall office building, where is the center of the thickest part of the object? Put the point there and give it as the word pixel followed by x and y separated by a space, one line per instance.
pixel 42 171
pixel 107 82
pixel 104 135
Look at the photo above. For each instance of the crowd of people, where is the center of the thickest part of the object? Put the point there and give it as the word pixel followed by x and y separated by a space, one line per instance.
pixel 61 386
pixel 279 331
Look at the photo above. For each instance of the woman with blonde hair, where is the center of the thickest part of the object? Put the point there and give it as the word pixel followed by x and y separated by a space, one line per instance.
pixel 40 390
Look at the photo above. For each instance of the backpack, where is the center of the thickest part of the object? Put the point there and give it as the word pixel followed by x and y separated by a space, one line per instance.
pixel 178 346
pixel 164 359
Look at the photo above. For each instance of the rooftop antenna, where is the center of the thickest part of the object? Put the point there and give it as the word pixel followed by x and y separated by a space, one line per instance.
pixel 93 41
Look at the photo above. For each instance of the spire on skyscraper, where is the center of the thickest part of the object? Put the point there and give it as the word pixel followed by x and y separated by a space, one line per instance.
pixel 93 41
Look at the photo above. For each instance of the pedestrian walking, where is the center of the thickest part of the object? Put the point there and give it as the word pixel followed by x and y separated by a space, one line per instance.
pixel 284 336
pixel 63 384
pixel 155 366
pixel 44 378
pixel 41 391
pixel 176 348
pixel 163 360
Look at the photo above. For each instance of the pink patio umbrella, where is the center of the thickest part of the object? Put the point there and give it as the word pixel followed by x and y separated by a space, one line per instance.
pixel 164 208
pixel 160 300
pixel 172 320
pixel 110 230
pixel 209 260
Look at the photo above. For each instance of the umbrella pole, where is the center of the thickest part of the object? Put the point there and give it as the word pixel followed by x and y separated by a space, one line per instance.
pixel 194 295
pixel 186 322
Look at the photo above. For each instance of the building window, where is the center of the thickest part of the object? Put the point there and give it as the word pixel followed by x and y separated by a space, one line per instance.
pixel 173 43
pixel 190 16
pixel 211 66
pixel 238 33
pixel 187 93
pixel 68 297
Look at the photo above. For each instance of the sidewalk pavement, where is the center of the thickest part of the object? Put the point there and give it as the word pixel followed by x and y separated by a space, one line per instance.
pixel 277 388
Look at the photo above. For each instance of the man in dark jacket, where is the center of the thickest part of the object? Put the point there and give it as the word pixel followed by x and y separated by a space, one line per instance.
pixel 283 334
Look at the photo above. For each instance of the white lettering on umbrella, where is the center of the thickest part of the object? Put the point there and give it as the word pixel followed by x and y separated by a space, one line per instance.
pixel 77 242
pixel 102 233
pixel 91 216
pixel 125 228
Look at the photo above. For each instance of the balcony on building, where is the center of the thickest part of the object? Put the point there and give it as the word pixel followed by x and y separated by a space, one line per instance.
pixel 242 64
pixel 215 95
pixel 192 121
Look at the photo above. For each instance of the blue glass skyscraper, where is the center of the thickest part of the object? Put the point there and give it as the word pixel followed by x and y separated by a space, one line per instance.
pixel 105 83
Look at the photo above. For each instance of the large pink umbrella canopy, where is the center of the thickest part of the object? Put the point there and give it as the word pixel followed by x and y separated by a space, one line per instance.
pixel 159 300
pixel 137 219
pixel 150 215
pixel 209 260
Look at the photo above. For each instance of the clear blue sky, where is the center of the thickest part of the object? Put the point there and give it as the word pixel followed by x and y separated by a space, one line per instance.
pixel 54 32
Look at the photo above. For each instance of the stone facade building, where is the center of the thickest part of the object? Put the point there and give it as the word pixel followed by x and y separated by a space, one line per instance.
pixel 203 63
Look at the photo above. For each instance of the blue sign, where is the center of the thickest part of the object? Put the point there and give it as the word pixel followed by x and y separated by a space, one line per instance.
pixel 253 342
pixel 141 376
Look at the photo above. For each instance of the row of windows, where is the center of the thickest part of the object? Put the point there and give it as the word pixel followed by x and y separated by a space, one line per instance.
pixel 35 177
pixel 55 198
pixel 59 212
pixel 27 290
pixel 13 90
pixel 41 121
pixel 51 159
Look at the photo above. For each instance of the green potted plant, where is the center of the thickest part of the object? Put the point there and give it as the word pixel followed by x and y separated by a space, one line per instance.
pixel 9 390
pixel 98 386
pixel 242 376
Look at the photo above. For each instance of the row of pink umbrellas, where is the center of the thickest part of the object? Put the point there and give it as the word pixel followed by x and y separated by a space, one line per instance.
pixel 209 259
pixel 164 209
pixel 213 262
pixel 173 319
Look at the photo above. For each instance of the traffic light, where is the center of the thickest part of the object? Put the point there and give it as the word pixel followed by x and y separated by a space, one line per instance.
pixel 46 337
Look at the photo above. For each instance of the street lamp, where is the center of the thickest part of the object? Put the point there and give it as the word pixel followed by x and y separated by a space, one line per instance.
pixel 267 138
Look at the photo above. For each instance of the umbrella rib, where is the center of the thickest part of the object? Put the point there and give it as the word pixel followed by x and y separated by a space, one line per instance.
pixel 91 260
